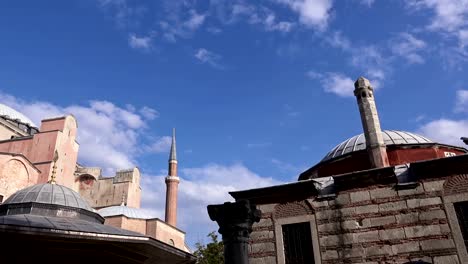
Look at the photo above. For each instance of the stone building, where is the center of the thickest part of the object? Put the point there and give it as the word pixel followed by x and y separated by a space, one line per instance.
pixel 30 156
pixel 379 197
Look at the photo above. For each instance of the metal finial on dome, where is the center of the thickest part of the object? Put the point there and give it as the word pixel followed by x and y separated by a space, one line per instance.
pixel 173 153
pixel 54 168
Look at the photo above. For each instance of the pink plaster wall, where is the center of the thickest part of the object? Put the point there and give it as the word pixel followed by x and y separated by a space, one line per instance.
pixel 16 173
pixel 56 134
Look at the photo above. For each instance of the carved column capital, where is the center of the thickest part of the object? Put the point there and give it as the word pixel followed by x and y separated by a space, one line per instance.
pixel 235 220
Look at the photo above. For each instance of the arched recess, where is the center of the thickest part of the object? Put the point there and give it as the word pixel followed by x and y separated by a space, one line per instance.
pixel 293 209
pixel 14 176
pixel 86 181
pixel 457 184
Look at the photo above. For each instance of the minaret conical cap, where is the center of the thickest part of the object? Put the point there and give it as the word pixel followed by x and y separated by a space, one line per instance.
pixel 173 153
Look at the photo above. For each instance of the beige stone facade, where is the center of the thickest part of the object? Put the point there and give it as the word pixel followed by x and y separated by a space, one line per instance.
pixel 101 191
pixel 154 228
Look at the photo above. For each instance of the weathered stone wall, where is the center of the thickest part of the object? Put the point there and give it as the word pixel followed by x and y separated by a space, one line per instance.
pixel 374 225
pixel 262 246
pixel 111 191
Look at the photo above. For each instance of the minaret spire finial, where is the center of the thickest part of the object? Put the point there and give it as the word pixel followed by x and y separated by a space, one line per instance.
pixel 173 154
pixel 54 168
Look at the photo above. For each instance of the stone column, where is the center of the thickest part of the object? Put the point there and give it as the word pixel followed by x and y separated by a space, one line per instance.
pixel 375 144
pixel 235 222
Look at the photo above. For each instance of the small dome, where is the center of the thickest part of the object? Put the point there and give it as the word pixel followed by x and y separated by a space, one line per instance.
pixel 129 212
pixel 390 137
pixel 47 193
pixel 11 113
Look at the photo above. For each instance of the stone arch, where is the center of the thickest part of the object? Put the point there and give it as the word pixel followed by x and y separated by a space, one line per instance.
pixel 457 184
pixel 293 209
pixel 14 176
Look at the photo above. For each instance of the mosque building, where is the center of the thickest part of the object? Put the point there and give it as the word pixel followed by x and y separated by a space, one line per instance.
pixel 384 196
pixel 59 209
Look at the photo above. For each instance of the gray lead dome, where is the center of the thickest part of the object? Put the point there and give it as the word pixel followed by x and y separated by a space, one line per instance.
pixel 15 115
pixel 391 137
pixel 47 193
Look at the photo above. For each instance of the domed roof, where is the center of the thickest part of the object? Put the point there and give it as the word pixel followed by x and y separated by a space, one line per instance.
pixel 390 137
pixel 13 114
pixel 47 193
pixel 129 212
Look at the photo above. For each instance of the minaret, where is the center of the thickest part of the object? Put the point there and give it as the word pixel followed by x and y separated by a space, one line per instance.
pixel 370 122
pixel 172 182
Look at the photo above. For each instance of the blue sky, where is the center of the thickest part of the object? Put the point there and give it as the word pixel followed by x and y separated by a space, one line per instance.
pixel 258 91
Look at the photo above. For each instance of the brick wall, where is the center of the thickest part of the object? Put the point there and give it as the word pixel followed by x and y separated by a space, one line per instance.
pixel 374 225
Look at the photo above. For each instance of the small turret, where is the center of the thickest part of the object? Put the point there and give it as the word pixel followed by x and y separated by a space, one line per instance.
pixel 375 145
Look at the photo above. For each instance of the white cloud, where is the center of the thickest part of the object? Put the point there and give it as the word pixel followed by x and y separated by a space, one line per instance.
pixel 195 20
pixel 179 25
pixel 448 14
pixel 372 63
pixel 198 188
pixel 408 46
pixel 161 144
pixel 337 40
pixel 312 13
pixel 445 131
pixel 108 135
pixel 449 131
pixel 139 42
pixel 461 104
pixel 333 82
pixel 463 37
pixel 122 12
pixel 206 56
pixel 149 113
pixel 259 16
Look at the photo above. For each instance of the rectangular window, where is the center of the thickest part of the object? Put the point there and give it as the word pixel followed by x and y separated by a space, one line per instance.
pixel 297 240
pixel 462 214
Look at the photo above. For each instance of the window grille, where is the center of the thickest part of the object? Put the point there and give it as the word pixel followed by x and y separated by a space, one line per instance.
pixel 297 240
pixel 462 214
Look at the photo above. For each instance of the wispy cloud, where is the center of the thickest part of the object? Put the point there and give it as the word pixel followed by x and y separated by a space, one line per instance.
pixel 312 13
pixel 448 17
pixel 161 144
pixel 124 14
pixel 333 82
pixel 408 46
pixel 206 56
pixel 461 103
pixel 143 42
pixel 181 24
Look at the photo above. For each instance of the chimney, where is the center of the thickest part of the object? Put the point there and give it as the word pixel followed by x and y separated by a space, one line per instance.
pixel 370 123
pixel 172 183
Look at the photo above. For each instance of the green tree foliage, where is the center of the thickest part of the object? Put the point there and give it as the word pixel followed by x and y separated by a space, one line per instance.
pixel 211 253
